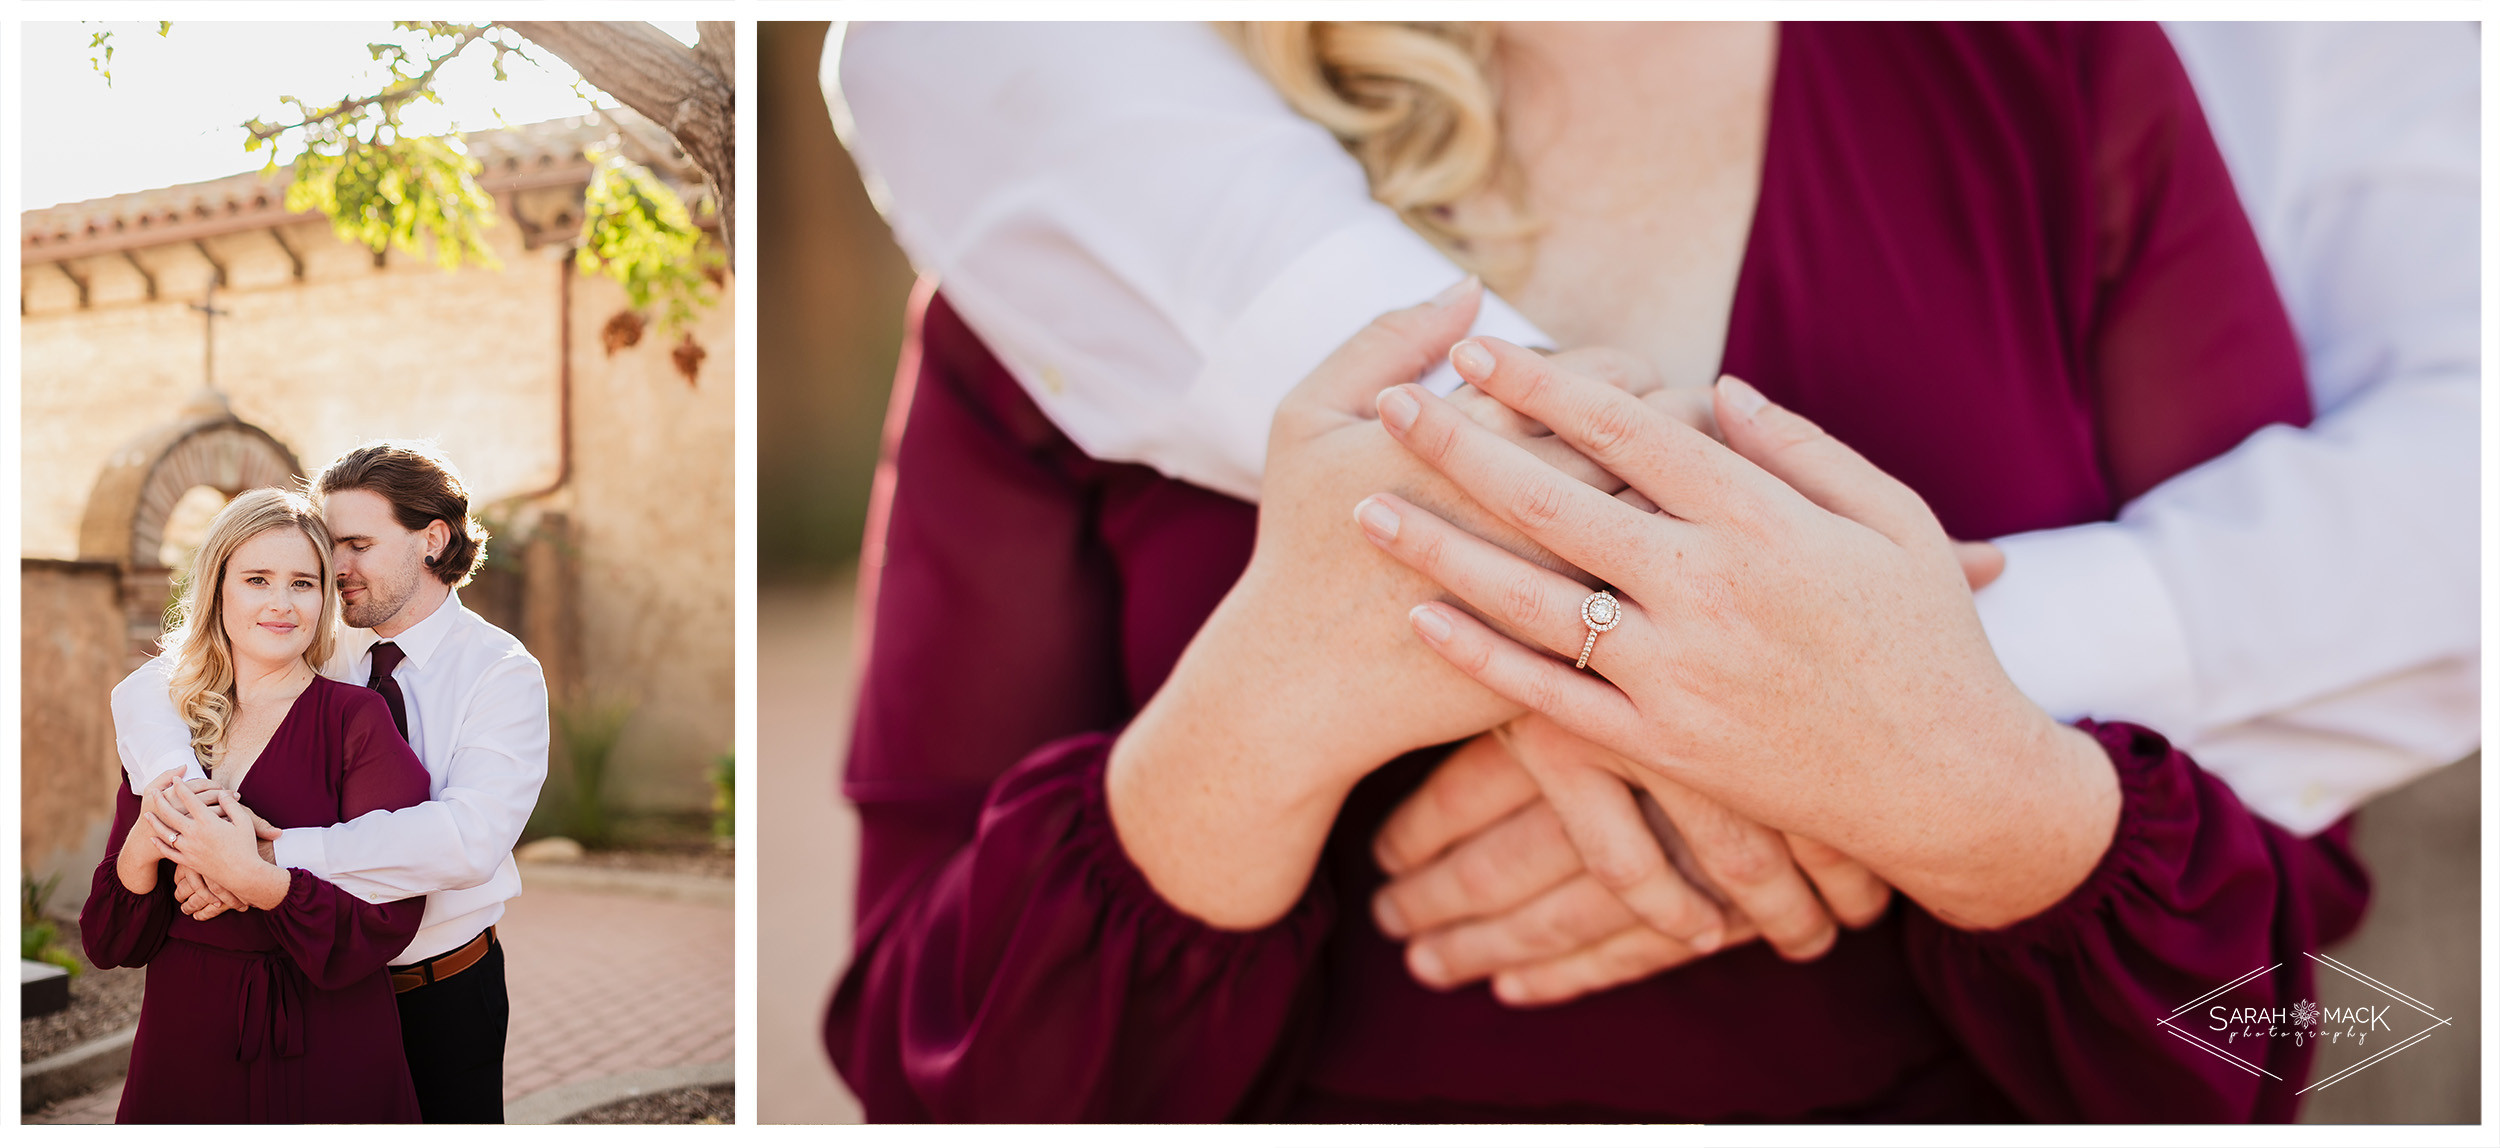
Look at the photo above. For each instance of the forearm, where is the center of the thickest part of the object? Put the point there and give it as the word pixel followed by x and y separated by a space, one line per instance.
pixel 148 735
pixel 1223 788
pixel 136 864
pixel 455 841
pixel 2024 834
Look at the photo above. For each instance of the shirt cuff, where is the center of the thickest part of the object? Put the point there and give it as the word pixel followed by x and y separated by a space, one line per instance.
pixel 304 849
pixel 2085 627
pixel 172 759
pixel 1322 298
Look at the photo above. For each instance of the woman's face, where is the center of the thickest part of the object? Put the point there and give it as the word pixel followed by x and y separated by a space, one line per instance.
pixel 273 595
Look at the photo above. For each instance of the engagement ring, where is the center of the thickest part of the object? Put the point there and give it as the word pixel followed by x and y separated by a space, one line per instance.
pixel 1602 613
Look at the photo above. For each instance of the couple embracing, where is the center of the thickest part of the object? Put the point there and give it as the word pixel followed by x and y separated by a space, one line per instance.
pixel 1456 779
pixel 328 767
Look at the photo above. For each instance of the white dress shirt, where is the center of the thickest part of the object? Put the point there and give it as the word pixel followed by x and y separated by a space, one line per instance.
pixel 477 717
pixel 1158 249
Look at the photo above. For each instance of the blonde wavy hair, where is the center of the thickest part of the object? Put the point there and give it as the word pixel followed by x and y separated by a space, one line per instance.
pixel 1418 105
pixel 203 674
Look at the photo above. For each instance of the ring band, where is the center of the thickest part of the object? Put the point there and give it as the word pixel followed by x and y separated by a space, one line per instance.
pixel 1602 613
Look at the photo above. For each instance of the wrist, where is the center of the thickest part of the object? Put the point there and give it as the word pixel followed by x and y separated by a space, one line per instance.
pixel 261 885
pixel 2045 829
pixel 136 864
pixel 1226 830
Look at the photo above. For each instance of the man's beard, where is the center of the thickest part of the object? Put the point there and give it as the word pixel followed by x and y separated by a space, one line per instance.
pixel 379 603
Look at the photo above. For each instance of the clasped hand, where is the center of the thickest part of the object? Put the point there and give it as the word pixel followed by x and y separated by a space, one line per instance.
pixel 1798 641
pixel 216 842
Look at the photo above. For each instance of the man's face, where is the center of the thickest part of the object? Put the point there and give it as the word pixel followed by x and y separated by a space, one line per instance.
pixel 380 564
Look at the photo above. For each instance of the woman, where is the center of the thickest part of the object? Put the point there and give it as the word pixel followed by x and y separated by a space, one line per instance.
pixel 284 1015
pixel 2002 263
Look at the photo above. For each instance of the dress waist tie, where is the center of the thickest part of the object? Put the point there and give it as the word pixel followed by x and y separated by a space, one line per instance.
pixel 269 1011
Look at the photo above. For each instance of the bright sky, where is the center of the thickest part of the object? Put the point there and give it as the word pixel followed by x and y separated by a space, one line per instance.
pixel 174 111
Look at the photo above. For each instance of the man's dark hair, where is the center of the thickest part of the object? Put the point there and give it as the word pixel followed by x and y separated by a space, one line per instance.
pixel 422 488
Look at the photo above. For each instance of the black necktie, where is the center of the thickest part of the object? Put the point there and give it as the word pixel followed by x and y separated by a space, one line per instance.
pixel 386 657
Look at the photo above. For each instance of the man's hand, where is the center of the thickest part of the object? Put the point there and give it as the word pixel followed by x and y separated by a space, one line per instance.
pixel 1489 877
pixel 201 898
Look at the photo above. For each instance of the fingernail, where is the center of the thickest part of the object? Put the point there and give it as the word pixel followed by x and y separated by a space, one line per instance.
pixel 1378 520
pixel 1385 911
pixel 1398 408
pixel 1430 623
pixel 1708 941
pixel 1741 395
pixel 1508 988
pixel 1472 360
pixel 1454 292
pixel 1427 966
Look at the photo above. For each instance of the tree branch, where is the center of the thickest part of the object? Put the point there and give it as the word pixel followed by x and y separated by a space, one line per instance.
pixel 389 99
pixel 676 87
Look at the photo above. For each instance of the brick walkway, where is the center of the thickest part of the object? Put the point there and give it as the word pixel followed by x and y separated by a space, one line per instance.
pixel 600 985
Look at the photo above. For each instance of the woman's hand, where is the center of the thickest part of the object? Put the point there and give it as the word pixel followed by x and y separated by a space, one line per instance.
pixel 212 833
pixel 1303 679
pixel 202 899
pixel 1489 877
pixel 1797 639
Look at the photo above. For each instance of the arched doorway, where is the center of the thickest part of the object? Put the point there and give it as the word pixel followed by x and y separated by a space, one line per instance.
pixel 143 482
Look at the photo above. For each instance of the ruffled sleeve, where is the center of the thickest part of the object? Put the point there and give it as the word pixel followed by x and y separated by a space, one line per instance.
pixel 1011 963
pixel 1038 977
pixel 2082 1012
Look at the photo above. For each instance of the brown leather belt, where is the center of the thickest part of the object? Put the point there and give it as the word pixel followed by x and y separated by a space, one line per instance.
pixel 434 970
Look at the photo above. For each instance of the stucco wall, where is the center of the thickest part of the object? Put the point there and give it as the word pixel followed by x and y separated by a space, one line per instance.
pixel 654 504
pixel 70 645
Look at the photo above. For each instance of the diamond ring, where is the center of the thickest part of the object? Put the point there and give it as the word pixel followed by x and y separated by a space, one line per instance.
pixel 1602 613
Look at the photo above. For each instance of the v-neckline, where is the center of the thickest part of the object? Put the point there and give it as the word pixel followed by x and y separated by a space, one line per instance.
pixel 284 722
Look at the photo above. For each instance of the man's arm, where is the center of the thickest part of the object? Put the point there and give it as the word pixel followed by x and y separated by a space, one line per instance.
pixel 1117 206
pixel 1149 239
pixel 481 802
pixel 2302 613
pixel 148 734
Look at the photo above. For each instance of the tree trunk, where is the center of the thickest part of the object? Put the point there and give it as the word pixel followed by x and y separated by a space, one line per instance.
pixel 690 92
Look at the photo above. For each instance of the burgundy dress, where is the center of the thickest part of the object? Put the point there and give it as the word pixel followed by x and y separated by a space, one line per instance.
pixel 283 1016
pixel 2006 264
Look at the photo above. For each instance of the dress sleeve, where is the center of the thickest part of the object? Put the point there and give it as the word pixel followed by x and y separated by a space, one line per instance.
pixel 2096 1010
pixel 119 928
pixel 1011 963
pixel 2189 349
pixel 335 937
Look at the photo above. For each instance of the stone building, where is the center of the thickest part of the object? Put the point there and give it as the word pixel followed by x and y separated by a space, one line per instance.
pixel 600 450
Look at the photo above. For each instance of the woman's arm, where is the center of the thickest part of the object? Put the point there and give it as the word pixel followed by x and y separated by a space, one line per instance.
pixel 130 904
pixel 336 937
pixel 1022 600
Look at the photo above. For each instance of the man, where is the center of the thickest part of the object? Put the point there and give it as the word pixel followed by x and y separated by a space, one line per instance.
pixel 1158 248
pixel 470 700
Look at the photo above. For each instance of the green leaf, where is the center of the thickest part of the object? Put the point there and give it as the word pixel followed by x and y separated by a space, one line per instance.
pixel 639 233
pixel 404 192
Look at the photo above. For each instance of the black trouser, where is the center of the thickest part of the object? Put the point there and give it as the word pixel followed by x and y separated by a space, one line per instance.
pixel 454 1031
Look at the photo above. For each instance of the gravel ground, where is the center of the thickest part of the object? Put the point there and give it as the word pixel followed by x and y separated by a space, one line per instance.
pixel 710 1104
pixel 101 1001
